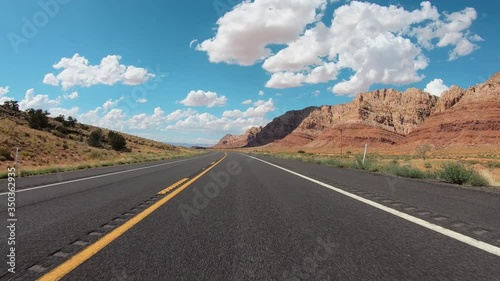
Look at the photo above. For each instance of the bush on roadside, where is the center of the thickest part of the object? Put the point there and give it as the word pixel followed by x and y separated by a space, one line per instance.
pixel 95 138
pixel 301 151
pixel 38 119
pixel 5 154
pixel 458 174
pixel 369 165
pixel 455 173
pixel 404 171
pixel 117 141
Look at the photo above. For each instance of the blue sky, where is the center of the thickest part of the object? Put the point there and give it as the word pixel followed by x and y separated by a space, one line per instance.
pixel 134 65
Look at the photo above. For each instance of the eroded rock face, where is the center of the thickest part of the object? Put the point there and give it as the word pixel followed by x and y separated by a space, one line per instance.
pixel 230 141
pixel 461 118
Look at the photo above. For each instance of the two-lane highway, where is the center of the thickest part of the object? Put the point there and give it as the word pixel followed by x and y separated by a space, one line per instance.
pixel 239 217
pixel 53 215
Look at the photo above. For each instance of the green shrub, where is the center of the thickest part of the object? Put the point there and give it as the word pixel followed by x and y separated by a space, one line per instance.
pixel 369 165
pixel 405 171
pixel 95 138
pixel 477 179
pixel 455 173
pixel 427 165
pixel 38 119
pixel 301 151
pixel 117 141
pixel 5 154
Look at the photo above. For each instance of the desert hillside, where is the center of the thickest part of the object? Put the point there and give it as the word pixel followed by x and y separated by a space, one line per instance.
pixel 63 141
pixel 389 119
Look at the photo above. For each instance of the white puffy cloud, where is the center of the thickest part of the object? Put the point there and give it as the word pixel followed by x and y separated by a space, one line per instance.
pixel 56 111
pixel 452 30
pixel 246 102
pixel 50 79
pixel 158 119
pixel 244 33
pixel 232 121
pixel 202 98
pixel 77 71
pixel 260 109
pixel 4 90
pixel 261 93
pixel 111 103
pixel 141 101
pixel 71 96
pixel 283 80
pixel 4 99
pixel 377 44
pixel 436 87
pixel 37 101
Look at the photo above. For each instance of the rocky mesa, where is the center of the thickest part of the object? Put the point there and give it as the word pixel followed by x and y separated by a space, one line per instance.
pixel 460 118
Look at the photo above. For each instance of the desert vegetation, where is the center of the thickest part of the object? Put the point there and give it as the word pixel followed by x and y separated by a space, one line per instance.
pixel 455 171
pixel 48 145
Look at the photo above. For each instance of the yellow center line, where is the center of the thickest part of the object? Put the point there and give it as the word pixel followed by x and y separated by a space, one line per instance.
pixel 66 267
pixel 163 192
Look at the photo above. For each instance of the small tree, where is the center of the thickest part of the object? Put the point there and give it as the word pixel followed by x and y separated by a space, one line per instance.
pixel 38 119
pixel 422 150
pixel 117 141
pixel 60 118
pixel 95 138
pixel 12 105
pixel 71 121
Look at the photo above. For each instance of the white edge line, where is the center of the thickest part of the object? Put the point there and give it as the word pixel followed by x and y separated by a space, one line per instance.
pixel 100 176
pixel 439 229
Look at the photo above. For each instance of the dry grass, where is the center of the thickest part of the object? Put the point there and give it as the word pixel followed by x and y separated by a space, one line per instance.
pixel 486 161
pixel 45 152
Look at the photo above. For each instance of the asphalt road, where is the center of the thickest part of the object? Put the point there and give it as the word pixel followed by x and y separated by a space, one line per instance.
pixel 236 217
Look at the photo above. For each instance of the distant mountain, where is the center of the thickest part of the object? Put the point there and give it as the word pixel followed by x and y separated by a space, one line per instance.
pixel 230 141
pixel 389 118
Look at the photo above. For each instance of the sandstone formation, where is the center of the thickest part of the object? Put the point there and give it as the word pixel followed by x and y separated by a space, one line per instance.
pixel 389 118
pixel 230 141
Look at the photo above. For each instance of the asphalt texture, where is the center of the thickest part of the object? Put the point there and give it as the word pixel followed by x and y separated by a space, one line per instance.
pixel 247 220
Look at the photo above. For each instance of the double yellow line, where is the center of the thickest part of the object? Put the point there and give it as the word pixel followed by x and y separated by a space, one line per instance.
pixel 66 267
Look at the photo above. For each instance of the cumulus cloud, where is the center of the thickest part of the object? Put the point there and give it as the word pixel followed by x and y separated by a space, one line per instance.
pixel 4 90
pixel 246 102
pixel 71 96
pixel 202 98
pixel 141 101
pixel 232 121
pixel 77 71
pixel 111 103
pixel 436 87
pixel 158 119
pixel 56 111
pixel 37 101
pixel 244 33
pixel 261 93
pixel 50 79
pixel 377 44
